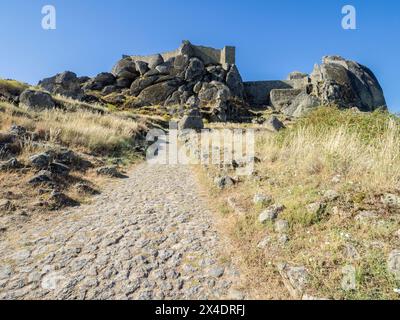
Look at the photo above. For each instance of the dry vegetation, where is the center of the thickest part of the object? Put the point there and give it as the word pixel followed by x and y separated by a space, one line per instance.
pixel 92 132
pixel 351 154
pixel 361 148
pixel 88 128
pixel 13 86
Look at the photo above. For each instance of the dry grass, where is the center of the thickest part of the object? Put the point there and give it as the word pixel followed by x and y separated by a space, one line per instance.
pixel 73 105
pixel 87 130
pixel 91 131
pixel 12 86
pixel 298 165
pixel 362 148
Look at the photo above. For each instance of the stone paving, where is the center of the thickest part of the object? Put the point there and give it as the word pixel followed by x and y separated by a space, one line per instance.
pixel 150 236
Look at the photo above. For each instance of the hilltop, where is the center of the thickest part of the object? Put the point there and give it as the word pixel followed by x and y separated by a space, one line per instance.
pixel 324 195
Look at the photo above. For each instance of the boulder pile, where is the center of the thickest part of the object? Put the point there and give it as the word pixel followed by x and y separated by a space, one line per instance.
pixel 182 80
pixel 190 80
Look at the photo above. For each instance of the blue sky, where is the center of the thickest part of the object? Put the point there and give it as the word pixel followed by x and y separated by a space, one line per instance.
pixel 272 38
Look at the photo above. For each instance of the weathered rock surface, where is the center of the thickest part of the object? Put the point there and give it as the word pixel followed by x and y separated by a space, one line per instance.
pixel 281 226
pixel 66 84
pixel 193 120
pixel 59 200
pixel 40 161
pixel 142 67
pixel 262 199
pixel 171 79
pixel 125 69
pixel 264 242
pixel 43 176
pixel 37 100
pixel 234 82
pixel 100 81
pixel 336 81
pixel 111 171
pixel 348 84
pixel 158 93
pixel 224 182
pixel 59 169
pixel 274 124
pixel 271 213
pixel 12 164
pixel 295 279
pixel 281 99
pixel 188 74
pixel 394 263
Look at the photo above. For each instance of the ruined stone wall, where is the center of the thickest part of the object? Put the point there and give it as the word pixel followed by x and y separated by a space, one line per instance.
pixel 258 92
pixel 228 55
pixel 207 54
pixel 165 55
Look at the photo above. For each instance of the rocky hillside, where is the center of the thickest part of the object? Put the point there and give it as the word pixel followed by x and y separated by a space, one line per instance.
pixel 182 80
pixel 173 84
pixel 57 152
pixel 324 195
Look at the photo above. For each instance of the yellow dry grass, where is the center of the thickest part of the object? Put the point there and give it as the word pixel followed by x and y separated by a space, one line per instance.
pixel 368 153
pixel 352 153
pixel 89 130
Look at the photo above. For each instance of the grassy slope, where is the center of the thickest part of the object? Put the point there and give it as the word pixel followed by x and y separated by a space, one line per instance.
pixel 90 130
pixel 361 152
pixel 94 133
pixel 12 86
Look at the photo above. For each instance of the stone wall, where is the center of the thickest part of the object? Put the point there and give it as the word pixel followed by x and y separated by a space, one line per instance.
pixel 258 92
pixel 207 54
pixel 282 98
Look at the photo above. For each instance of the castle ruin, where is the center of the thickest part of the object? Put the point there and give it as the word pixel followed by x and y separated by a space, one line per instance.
pixel 257 92
pixel 208 55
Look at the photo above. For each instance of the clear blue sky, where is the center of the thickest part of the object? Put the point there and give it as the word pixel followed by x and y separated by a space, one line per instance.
pixel 272 38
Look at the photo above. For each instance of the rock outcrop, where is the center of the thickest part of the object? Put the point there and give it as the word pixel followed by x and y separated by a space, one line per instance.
pixel 66 84
pixel 35 99
pixel 347 84
pixel 192 120
pixel 182 78
pixel 208 79
pixel 336 81
pixel 190 73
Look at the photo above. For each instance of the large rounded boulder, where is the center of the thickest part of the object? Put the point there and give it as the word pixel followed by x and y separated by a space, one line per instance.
pixel 66 84
pixel 347 84
pixel 336 81
pixel 100 81
pixel 158 93
pixel 193 121
pixel 125 68
pixel 37 100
